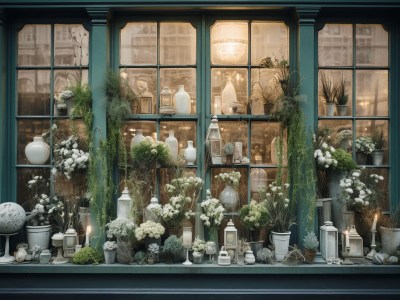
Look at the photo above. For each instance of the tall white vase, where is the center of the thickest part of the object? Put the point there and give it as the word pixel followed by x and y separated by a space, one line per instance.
pixel 228 97
pixel 37 152
pixel 139 137
pixel 182 101
pixel 172 144
pixel 190 154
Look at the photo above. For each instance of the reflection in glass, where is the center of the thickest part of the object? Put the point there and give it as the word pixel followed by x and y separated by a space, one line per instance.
pixel 340 133
pixel 372 92
pixel 229 43
pixel 34 92
pixel 24 194
pixel 71 45
pixel 263 90
pixel 371 45
pixel 138 43
pixel 226 83
pixel 177 44
pixel 67 78
pixel 34 45
pixel 335 45
pixel 269 39
pixel 262 136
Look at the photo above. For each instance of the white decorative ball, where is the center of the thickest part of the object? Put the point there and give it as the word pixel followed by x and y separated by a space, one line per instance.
pixel 12 217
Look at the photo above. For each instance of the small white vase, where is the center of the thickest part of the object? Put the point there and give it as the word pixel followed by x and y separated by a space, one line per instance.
pixel 229 197
pixel 37 152
pixel 190 154
pixel 139 137
pixel 182 101
pixel 172 144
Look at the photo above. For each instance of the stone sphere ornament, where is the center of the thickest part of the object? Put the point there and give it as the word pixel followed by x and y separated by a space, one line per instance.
pixel 12 217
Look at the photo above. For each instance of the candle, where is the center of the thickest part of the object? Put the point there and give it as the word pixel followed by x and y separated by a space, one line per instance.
pixel 347 239
pixel 187 237
pixel 374 223
pixel 88 230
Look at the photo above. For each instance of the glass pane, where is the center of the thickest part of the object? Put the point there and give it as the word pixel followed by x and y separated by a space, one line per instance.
pixel 177 44
pixel 334 80
pixel 235 132
pixel 34 92
pixel 71 45
pixel 372 93
pixel 168 174
pixel 371 45
pixel 229 43
pixel 34 45
pixel 264 91
pixel 217 187
pixel 26 131
pixel 138 44
pixel 231 86
pixel 374 129
pixel 269 39
pixel 172 78
pixel 143 83
pixel 264 138
pixel 335 45
pixel 24 193
pixel 183 131
pixel 130 129
pixel 340 133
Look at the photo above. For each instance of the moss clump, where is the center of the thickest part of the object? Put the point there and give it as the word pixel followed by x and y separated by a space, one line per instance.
pixel 345 161
pixel 87 256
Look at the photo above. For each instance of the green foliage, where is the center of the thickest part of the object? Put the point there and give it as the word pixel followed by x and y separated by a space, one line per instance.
pixel 140 257
pixel 87 256
pixel 345 162
pixel 83 106
pixel 310 241
pixel 328 89
pixel 254 215
pixel 173 247
pixel 149 154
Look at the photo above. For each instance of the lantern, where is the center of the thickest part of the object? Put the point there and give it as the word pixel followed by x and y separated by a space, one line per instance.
pixel 213 140
pixel 166 103
pixel 69 242
pixel 153 210
pixel 230 240
pixel 329 241
pixel 354 242
pixel 124 205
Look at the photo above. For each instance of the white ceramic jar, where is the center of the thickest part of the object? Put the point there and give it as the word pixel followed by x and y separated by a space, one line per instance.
pixel 38 151
pixel 190 154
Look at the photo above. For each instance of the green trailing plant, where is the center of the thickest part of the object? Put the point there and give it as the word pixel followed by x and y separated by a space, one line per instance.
pixel 345 162
pixel 310 241
pixel 87 256
pixel 82 107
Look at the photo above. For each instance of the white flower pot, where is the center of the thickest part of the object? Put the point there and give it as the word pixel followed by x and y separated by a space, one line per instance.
pixel 109 256
pixel 280 241
pixel 38 236
pixel 37 152
pixel 390 239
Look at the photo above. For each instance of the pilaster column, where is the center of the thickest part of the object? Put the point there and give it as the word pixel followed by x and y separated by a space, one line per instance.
pixel 3 113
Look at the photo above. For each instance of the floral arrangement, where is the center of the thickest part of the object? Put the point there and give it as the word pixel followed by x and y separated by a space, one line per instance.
pixel 149 229
pixel 46 206
pixel 212 211
pixel 357 191
pixel 69 158
pixel 153 250
pixel 183 193
pixel 150 153
pixel 110 246
pixel 364 144
pixel 280 217
pixel 324 156
pixel 231 178
pixel 120 227
pixel 199 245
pixel 254 215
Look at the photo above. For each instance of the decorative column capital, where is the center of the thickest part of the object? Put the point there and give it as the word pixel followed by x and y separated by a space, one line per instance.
pixel 307 15
pixel 98 15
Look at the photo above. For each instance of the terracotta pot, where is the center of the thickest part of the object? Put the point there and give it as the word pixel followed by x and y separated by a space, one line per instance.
pixel 309 255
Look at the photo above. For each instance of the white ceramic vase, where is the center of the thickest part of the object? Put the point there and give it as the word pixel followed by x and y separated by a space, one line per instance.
pixel 182 101
pixel 190 154
pixel 37 152
pixel 139 137
pixel 172 144
pixel 229 198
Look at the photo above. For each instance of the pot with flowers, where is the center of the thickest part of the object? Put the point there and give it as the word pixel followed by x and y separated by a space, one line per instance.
pixel 124 231
pixel 43 210
pixel 198 248
pixel 229 196
pixel 254 217
pixel 212 216
pixel 280 217
pixel 182 193
pixel 110 251
pixel 310 243
pixel 150 232
pixel 364 147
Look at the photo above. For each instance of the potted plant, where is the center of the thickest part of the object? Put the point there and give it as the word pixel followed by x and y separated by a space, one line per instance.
pixel 124 231
pixel 150 154
pixel 198 248
pixel 364 147
pixel 110 251
pixel 342 97
pixel 229 149
pixel 310 244
pixel 390 231
pixel 378 138
pixel 173 250
pixel 152 251
pixel 229 195
pixel 150 232
pixel 327 93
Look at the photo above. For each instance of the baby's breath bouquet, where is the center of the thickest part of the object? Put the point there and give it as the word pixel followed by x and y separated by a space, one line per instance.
pixel 150 154
pixel 212 211
pixel 231 178
pixel 254 215
pixel 199 245
pixel 120 228
pixel 365 144
pixel 149 229
pixel 69 158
